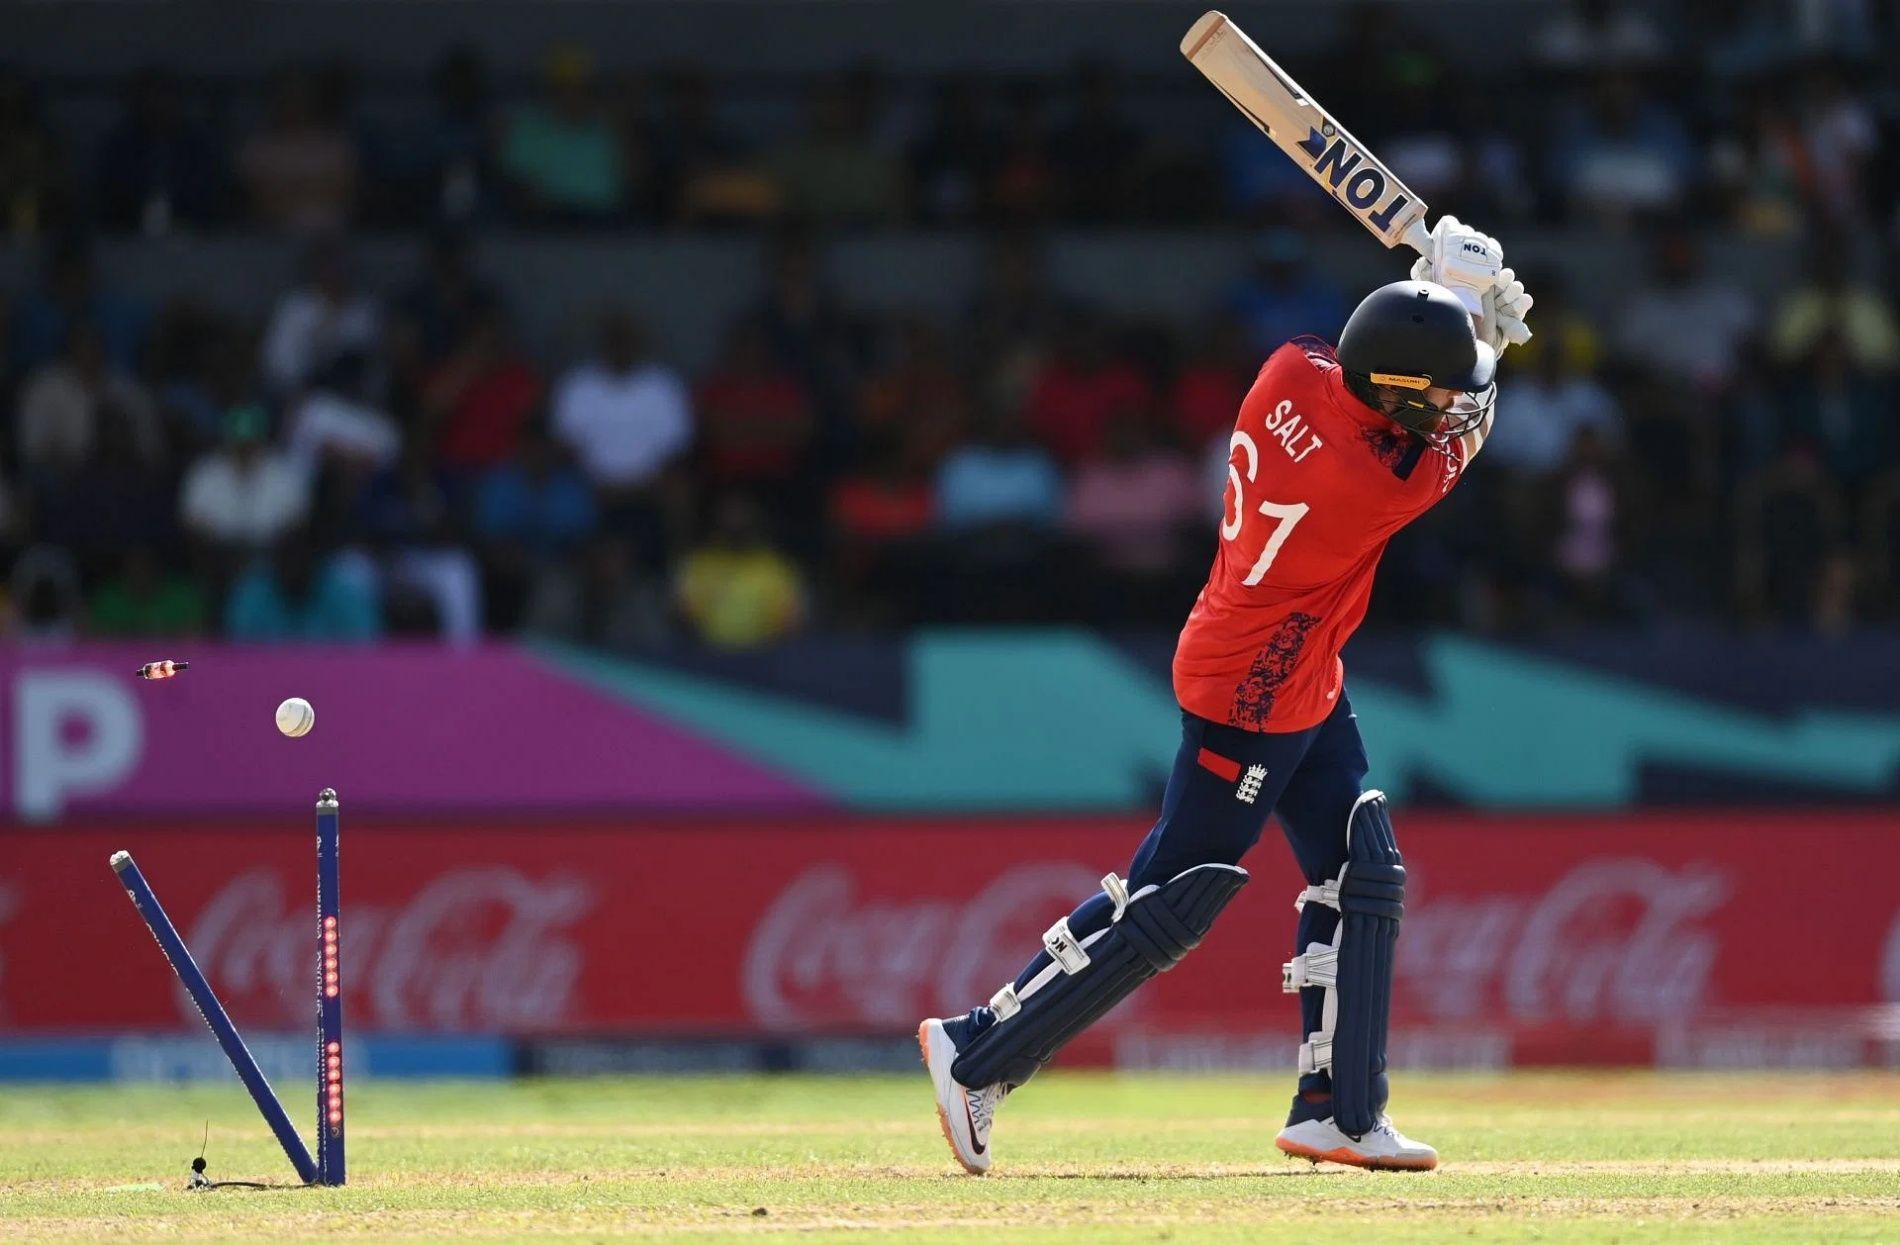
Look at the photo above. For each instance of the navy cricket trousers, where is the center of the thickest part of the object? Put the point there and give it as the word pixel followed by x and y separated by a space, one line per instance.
pixel 1312 779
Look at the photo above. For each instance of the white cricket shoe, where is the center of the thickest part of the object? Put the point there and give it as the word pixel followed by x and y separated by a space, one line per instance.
pixel 964 1113
pixel 1385 1148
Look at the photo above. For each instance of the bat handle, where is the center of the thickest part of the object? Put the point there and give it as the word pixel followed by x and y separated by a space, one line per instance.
pixel 1418 237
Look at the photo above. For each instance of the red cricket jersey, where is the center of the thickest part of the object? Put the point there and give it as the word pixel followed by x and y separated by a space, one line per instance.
pixel 1317 482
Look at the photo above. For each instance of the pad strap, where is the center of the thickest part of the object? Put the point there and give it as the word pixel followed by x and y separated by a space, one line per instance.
pixel 1326 892
pixel 1318 967
pixel 1150 931
pixel 1064 949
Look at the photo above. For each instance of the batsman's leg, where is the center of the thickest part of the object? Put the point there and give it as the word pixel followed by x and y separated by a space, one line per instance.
pixel 1344 951
pixel 1223 783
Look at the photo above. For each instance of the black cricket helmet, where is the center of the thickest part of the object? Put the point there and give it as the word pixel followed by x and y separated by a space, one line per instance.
pixel 1411 336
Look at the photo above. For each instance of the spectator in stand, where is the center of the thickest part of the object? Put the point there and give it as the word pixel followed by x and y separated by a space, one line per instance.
pixel 629 419
pixel 1262 185
pixel 1840 138
pixel 145 599
pixel 1684 324
pixel 244 495
pixel 451 157
pixel 1206 395
pixel 1285 295
pixel 64 405
pixel 433 315
pixel 1136 505
pixel 1561 326
pixel 318 322
pixel 879 519
pixel 1790 522
pixel 336 421
pixel 735 590
pixel 1428 150
pixel 477 402
pixel 1587 550
pixel 702 170
pixel 755 418
pixel 43 592
pixel 562 154
pixel 1622 154
pixel 201 367
pixel 607 601
pixel 300 594
pixel 835 173
pixel 1841 410
pixel 891 500
pixel 998 555
pixel 536 500
pixel 301 166
pixel 432 582
pixel 1546 408
pixel 951 162
pixel 1460 151
pixel 1081 388
pixel 916 392
pixel 117 495
pixel 1098 153
pixel 1880 533
pixel 70 291
pixel 1760 166
pixel 157 168
pixel 812 334
pixel 1011 320
pixel 532 512
pixel 1832 302
pixel 999 477
pixel 1022 187
pixel 1383 50
pixel 631 110
pixel 35 184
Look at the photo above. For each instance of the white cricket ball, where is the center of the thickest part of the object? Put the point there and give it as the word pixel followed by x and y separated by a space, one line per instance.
pixel 295 717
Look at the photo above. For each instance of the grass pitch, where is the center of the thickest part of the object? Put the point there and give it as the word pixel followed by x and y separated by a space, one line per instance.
pixel 1679 1157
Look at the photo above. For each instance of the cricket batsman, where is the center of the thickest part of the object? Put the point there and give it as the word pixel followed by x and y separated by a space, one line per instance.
pixel 1335 449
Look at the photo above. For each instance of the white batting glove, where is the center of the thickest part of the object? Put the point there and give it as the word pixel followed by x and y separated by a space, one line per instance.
pixel 1506 306
pixel 1463 260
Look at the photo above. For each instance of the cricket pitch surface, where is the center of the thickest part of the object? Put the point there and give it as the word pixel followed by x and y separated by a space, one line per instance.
pixel 1082 1157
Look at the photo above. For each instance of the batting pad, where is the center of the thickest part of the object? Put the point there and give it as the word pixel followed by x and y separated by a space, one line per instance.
pixel 1356 970
pixel 1150 932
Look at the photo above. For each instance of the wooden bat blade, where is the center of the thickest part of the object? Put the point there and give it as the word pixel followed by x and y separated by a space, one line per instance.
pixel 1298 126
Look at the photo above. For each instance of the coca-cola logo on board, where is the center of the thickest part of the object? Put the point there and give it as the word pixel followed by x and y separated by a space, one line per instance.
pixel 475 948
pixel 823 957
pixel 1615 939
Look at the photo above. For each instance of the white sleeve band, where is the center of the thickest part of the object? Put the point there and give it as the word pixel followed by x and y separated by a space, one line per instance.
pixel 1471 442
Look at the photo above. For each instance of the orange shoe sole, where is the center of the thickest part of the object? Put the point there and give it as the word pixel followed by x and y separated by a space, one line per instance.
pixel 1351 1159
pixel 943 1117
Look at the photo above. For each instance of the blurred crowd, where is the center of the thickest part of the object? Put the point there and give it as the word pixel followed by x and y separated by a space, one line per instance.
pixel 370 461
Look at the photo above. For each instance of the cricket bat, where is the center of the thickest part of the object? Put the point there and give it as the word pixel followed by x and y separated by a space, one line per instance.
pixel 1296 123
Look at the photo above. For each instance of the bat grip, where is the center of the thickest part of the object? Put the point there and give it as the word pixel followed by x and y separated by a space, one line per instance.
pixel 1418 237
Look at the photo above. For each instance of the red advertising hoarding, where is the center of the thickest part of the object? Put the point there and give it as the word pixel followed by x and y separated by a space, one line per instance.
pixel 1690 938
